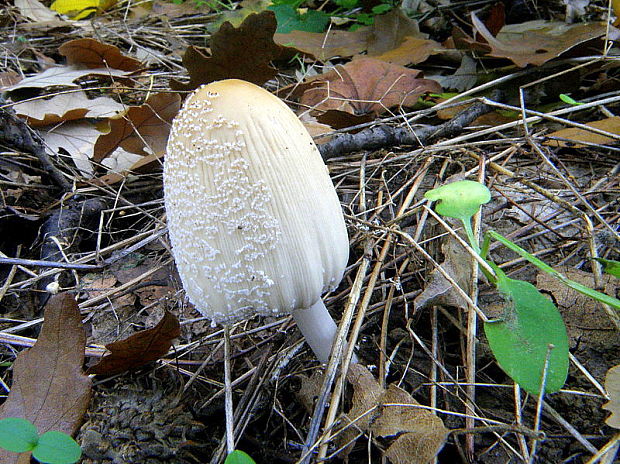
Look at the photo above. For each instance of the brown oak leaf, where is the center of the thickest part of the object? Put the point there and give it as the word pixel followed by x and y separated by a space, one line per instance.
pixel 240 53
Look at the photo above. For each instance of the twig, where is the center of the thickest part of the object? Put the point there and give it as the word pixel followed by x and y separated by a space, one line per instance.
pixel 383 136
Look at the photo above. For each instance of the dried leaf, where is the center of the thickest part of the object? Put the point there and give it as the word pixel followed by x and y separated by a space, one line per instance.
pixel 411 51
pixel 145 164
pixel 242 53
pixel 67 107
pixel 92 54
pixel 49 388
pixel 438 290
pixel 368 86
pixel 35 11
pixel 365 87
pixel 538 45
pixel 420 433
pixel 63 76
pixel 611 125
pixel 586 323
pixel 143 129
pixel 77 139
pixel 327 45
pixel 612 386
pixel 393 35
pixel 9 78
pixel 139 349
pixel 390 30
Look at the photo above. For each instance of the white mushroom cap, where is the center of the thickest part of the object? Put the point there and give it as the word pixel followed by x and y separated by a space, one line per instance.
pixel 254 219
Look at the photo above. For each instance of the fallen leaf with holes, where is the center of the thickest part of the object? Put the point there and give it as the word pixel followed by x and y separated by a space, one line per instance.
pixel 242 53
pixel 537 42
pixel 142 130
pixel 587 324
pixel 49 388
pixel 574 135
pixel 364 87
pixel 67 107
pixel 612 387
pixel 76 140
pixel 140 348
pixel 64 76
pixel 92 54
pixel 418 434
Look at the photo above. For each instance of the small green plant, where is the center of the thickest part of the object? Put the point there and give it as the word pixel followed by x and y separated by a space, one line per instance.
pixel 529 341
pixel 20 435
pixel 239 457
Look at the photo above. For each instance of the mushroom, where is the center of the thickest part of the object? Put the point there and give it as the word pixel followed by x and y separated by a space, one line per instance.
pixel 254 220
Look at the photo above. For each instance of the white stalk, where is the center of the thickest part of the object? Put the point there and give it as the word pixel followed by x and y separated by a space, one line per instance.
pixel 318 328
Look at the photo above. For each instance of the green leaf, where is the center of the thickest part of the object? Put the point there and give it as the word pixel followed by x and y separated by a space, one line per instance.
pixel 18 435
pixel 460 200
pixel 381 8
pixel 239 457
pixel 571 101
pixel 610 266
pixel 602 297
pixel 57 448
pixel 531 324
pixel 290 20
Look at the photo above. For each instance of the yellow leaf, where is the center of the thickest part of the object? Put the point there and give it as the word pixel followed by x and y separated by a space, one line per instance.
pixel 80 9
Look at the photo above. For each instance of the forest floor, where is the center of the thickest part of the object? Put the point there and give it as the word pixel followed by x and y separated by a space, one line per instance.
pixel 531 115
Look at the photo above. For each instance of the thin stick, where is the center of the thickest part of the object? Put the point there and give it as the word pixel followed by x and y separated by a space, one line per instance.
pixel 228 398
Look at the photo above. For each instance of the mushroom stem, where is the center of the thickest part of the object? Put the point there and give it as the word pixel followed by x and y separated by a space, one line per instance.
pixel 318 328
pixel 228 397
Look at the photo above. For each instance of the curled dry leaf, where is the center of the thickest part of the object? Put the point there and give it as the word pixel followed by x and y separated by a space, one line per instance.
pixel 364 87
pixel 67 107
pixel 64 76
pixel 49 388
pixel 612 386
pixel 242 53
pixel 139 349
pixel 76 139
pixel 392 413
pixel 92 54
pixel 536 43
pixel 142 130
